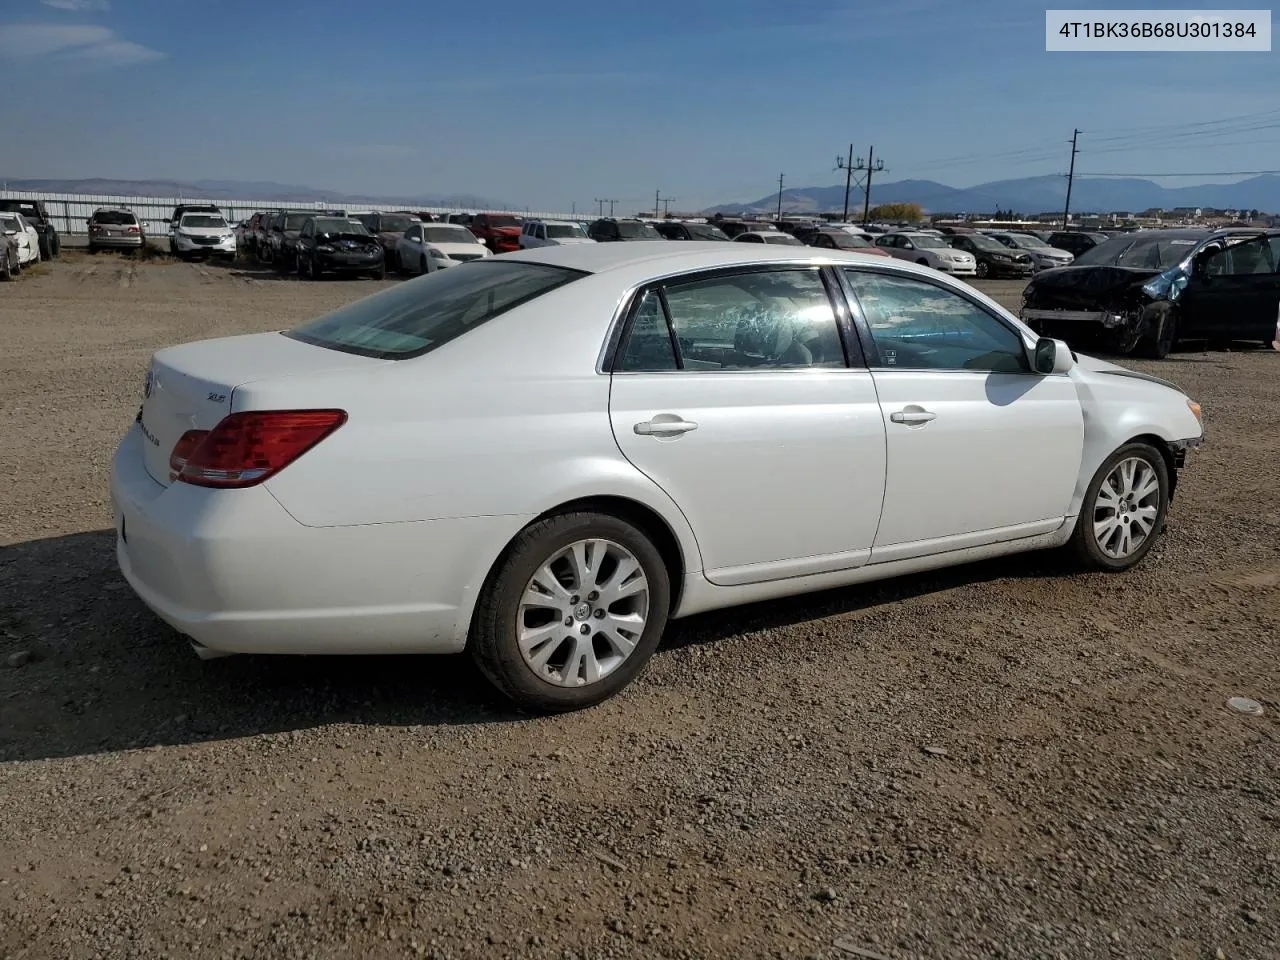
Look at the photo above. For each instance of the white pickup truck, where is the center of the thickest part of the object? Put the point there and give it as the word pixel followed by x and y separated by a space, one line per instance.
pixel 551 233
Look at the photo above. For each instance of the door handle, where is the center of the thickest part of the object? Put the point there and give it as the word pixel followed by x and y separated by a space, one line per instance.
pixel 664 427
pixel 913 416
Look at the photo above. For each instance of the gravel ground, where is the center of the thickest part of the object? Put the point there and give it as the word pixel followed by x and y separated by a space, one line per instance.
pixel 1002 760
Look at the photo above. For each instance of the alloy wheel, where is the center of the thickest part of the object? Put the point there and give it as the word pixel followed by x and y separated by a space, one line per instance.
pixel 582 613
pixel 1126 508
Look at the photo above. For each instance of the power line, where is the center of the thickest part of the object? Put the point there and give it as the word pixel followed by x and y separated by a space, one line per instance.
pixel 849 168
pixel 1216 173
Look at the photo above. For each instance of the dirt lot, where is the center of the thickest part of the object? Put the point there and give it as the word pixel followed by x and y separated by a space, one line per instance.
pixel 763 792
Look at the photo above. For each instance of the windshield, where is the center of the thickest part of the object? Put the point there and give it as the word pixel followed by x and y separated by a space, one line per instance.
pixel 10 223
pixel 448 235
pixel 926 241
pixel 785 239
pixel 413 318
pixel 202 220
pixel 495 221
pixel 986 243
pixel 1150 253
pixel 1020 240
pixel 564 231
pixel 847 241
pixel 636 228
pixel 294 221
pixel 116 217
pixel 705 231
pixel 334 225
pixel 396 224
pixel 28 210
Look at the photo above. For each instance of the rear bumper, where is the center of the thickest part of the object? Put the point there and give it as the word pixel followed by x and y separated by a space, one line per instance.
pixel 235 572
pixel 126 243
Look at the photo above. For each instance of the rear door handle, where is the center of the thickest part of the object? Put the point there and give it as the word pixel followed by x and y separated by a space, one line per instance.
pixel 913 416
pixel 664 425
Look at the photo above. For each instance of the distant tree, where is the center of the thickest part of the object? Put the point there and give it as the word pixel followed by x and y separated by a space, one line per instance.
pixel 911 212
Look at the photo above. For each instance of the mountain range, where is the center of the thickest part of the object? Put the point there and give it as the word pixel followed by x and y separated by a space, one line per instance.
pixel 1029 195
pixel 243 190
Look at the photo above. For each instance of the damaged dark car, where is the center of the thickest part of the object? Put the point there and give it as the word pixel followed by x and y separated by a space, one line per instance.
pixel 1141 293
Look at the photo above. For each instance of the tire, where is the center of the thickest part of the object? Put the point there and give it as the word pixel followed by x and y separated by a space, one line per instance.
pixel 313 271
pixel 6 268
pixel 55 246
pixel 1087 544
pixel 426 267
pixel 380 273
pixel 983 270
pixel 923 262
pixel 93 248
pixel 1159 344
pixel 601 540
pixel 46 250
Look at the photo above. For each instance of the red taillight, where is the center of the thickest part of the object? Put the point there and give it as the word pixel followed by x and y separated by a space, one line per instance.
pixel 246 448
pixel 133 229
pixel 182 450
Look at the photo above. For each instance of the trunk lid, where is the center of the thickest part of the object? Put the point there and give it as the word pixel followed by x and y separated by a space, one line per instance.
pixel 190 387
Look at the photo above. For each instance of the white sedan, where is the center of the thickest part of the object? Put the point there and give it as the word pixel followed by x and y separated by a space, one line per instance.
pixel 928 250
pixel 541 458
pixel 21 229
pixel 427 247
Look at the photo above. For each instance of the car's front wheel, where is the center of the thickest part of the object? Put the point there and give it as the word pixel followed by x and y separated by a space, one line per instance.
pixel 982 269
pixel 572 612
pixel 1124 509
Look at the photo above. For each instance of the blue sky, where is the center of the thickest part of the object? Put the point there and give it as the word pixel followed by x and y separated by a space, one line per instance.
pixel 550 102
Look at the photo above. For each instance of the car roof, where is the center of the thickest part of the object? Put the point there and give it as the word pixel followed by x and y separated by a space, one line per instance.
pixel 659 257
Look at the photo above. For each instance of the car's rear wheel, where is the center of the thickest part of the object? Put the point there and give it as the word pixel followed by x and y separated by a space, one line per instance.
pixel 572 613
pixel 982 269
pixel 6 267
pixel 1124 509
pixel 313 270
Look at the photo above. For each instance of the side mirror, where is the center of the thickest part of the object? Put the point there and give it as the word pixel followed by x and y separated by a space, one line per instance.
pixel 1052 356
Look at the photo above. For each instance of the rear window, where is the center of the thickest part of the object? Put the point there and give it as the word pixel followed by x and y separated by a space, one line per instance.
pixel 117 217
pixel 414 318
pixel 294 221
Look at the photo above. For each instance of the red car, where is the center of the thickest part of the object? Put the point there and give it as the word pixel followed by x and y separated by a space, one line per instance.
pixel 500 232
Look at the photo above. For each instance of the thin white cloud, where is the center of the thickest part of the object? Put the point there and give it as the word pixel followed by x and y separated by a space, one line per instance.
pixel 72 43
pixel 78 4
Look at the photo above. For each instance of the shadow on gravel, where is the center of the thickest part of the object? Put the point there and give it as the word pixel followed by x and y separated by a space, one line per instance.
pixel 105 674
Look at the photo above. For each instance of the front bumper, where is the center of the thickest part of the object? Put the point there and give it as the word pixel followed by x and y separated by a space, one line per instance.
pixel 1106 319
pixel 349 263
pixel 236 573
pixel 959 269
pixel 997 269
pixel 188 245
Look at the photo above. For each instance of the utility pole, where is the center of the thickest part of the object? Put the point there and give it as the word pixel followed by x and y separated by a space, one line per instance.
pixel 603 202
pixel 847 167
pixel 779 196
pixel 1071 175
pixel 658 198
pixel 666 206
pixel 611 203
pixel 873 166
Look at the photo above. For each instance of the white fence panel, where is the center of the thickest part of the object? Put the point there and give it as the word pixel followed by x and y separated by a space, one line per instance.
pixel 71 211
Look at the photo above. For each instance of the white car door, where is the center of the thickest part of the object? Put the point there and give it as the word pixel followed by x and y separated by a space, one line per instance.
pixel 743 409
pixel 980 449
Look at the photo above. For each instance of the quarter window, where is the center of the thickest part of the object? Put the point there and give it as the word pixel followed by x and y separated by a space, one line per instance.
pixel 776 319
pixel 918 326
